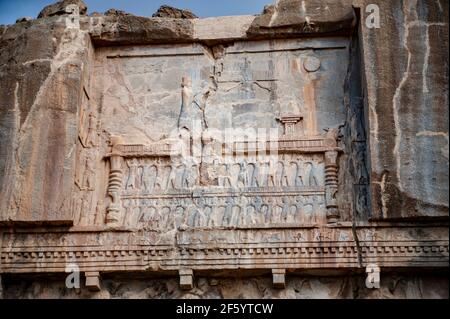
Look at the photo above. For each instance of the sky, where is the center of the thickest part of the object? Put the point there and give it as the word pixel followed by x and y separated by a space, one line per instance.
pixel 11 10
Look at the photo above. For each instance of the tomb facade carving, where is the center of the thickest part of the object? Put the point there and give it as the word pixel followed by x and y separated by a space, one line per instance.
pixel 231 144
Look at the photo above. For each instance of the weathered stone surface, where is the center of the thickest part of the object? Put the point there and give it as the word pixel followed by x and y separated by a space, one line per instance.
pixel 93 110
pixel 123 29
pixel 114 12
pixel 407 109
pixel 39 84
pixel 59 8
pixel 219 29
pixel 24 19
pixel 171 12
pixel 393 286
pixel 295 17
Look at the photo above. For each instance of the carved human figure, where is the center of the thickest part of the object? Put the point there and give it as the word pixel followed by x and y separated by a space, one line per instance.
pixel 187 98
pixel 310 175
pixel 196 218
pixel 172 178
pixel 318 207
pixel 78 207
pixel 250 216
pixel 135 213
pixel 223 176
pixel 192 106
pixel 149 176
pixel 264 216
pixel 179 216
pixel 89 171
pixel 91 137
pixel 162 178
pixel 343 236
pixel 276 214
pixel 213 172
pixel 180 170
pixel 99 212
pixel 85 210
pixel 227 219
pixel 319 202
pixel 235 215
pixel 233 172
pixel 285 177
pixel 299 202
pixel 317 236
pixel 144 217
pixel 292 214
pixel 272 175
pixel 279 174
pixel 242 180
pixel 153 219
pixel 285 209
pixel 167 219
pixel 264 169
pixel 132 174
pixel 253 175
pixel 308 213
pixel 128 206
pixel 207 212
pixel 299 175
pixel 194 176
pixel 292 175
pixel 216 217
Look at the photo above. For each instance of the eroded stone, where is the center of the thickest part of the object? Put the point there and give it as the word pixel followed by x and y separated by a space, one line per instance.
pixel 171 12
pixel 95 109
pixel 61 8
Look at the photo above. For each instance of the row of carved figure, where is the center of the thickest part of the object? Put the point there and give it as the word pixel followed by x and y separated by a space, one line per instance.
pixel 151 177
pixel 308 210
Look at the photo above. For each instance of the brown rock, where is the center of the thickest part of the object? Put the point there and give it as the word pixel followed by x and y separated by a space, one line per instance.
pixel 24 19
pixel 295 17
pixel 171 12
pixel 59 8
pixel 88 110
pixel 128 29
pixel 114 12
pixel 26 58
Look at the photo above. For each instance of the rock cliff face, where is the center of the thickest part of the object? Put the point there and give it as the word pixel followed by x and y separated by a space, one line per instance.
pixel 264 152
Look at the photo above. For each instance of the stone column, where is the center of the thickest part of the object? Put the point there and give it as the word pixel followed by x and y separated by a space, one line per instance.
pixel 331 186
pixel 115 183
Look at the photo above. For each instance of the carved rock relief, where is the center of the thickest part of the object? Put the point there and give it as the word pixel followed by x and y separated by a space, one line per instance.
pixel 153 98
